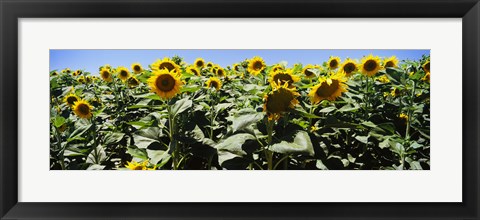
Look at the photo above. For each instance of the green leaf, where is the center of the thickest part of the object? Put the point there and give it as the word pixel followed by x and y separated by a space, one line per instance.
pixel 81 126
pixel 233 144
pixel 137 152
pixel 145 137
pixel 113 138
pixel 181 105
pixel 190 88
pixel 58 121
pixel 97 155
pixel 363 139
pixel 241 122
pixel 328 109
pixel 301 145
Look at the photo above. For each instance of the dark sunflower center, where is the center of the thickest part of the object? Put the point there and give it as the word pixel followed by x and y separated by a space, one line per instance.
pixel 283 78
pixel 138 168
pixel 308 72
pixel 83 109
pixel 165 83
pixel 257 65
pixel 279 101
pixel 427 67
pixel 220 72
pixel 349 67
pixel 123 73
pixel 194 71
pixel 167 65
pixel 105 74
pixel 370 65
pixel 326 90
pixel 333 63
pixel 200 63
pixel 389 64
pixel 214 84
pixel 136 68
pixel 71 100
pixel 237 68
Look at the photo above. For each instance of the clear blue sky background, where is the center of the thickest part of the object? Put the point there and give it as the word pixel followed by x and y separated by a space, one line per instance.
pixel 91 60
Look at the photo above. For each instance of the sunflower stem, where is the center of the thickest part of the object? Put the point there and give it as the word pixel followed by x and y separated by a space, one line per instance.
pixel 268 153
pixel 171 128
pixel 409 113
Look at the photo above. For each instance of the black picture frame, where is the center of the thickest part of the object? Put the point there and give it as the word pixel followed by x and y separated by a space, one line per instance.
pixel 11 10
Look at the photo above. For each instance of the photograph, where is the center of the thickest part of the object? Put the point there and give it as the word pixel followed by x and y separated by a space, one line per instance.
pixel 239 109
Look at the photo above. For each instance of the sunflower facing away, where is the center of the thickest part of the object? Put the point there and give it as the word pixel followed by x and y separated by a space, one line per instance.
pixel 333 63
pixel 256 65
pixel 426 67
pixel 214 82
pixel 82 109
pixel 164 83
pixel 328 88
pixel 390 62
pixel 193 70
pixel 133 81
pixel 106 75
pixel 279 101
pixel 283 77
pixel 307 71
pixel 166 63
pixel 370 65
pixel 70 99
pixel 199 63
pixel 349 67
pixel 123 73
pixel 137 68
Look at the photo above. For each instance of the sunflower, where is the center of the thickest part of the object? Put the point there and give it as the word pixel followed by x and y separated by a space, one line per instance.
pixel 105 74
pixel 77 72
pixel 82 109
pixel 279 100
pixel 199 63
pixel 370 65
pixel 70 99
pixel 133 81
pixel 88 79
pixel 282 77
pixel 54 73
pixel 137 166
pixel 137 68
pixel 426 78
pixel 333 62
pixel 390 62
pixel 307 71
pixel 383 79
pixel 166 63
pixel 209 64
pixel 66 70
pixel 107 66
pixel 219 71
pixel 256 65
pixel 395 92
pixel 276 68
pixel 403 117
pixel 328 88
pixel 426 66
pixel 193 70
pixel 214 82
pixel 164 83
pixel 349 67
pixel 123 73
pixel 81 79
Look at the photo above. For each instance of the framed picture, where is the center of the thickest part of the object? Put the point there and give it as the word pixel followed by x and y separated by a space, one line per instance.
pixel 252 110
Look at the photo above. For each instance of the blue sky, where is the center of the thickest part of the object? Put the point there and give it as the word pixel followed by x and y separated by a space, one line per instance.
pixel 90 60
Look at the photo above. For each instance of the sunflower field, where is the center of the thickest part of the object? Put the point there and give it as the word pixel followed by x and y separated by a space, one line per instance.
pixel 369 113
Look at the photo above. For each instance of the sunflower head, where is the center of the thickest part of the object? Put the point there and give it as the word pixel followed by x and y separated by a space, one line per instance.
pixel 237 67
pixel 426 66
pixel 164 83
pixel 137 68
pixel 193 70
pixel 370 65
pixel 219 71
pixel 70 99
pixel 209 64
pixel 133 82
pixel 199 63
pixel 82 109
pixel 66 70
pixel 214 82
pixel 134 165
pixel 123 73
pixel 333 62
pixel 328 88
pixel 279 101
pixel 81 79
pixel 54 73
pixel 307 71
pixel 349 67
pixel 403 117
pixel 77 72
pixel 281 77
pixel 383 79
pixel 256 65
pixel 106 74
pixel 88 79
pixel 166 63
pixel 390 62
pixel 276 68
pixel 395 92
pixel 426 78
